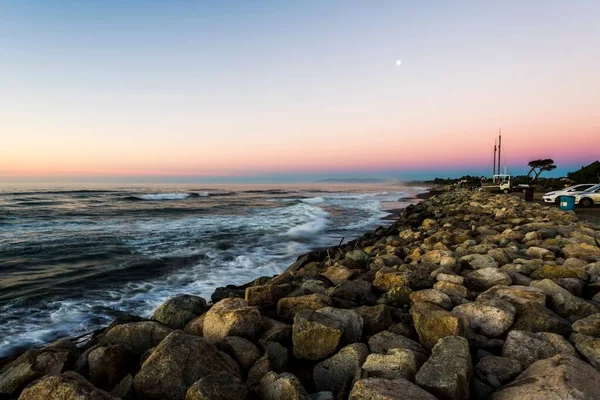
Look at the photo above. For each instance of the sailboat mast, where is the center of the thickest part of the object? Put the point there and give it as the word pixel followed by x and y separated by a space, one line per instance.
pixel 495 149
pixel 499 148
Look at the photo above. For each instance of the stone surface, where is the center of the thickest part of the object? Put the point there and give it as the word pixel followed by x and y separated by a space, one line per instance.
pixel 315 335
pixel 534 317
pixel 178 311
pixel 351 321
pixel 384 389
pixel 432 296
pixel 176 363
pixel 338 274
pixel 195 326
pixel 433 323
pixel 241 350
pixel 338 373
pixel 556 378
pixel 563 302
pixel 527 347
pixel 220 386
pixel 485 278
pixel 447 373
pixel 107 365
pixel 382 342
pixel 588 326
pixel 496 371
pixel 68 386
pixel 397 363
pixel 516 295
pixel 137 337
pixel 282 386
pixel 375 318
pixel 490 318
pixel 231 317
pixel 588 346
pixel 289 306
pixel 266 295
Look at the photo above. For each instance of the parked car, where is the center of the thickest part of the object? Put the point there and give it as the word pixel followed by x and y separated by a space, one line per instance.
pixel 554 196
pixel 589 197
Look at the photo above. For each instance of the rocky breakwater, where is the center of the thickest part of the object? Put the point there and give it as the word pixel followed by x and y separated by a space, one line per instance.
pixel 468 295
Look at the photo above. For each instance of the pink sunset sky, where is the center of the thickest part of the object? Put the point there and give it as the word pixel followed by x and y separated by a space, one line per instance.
pixel 154 88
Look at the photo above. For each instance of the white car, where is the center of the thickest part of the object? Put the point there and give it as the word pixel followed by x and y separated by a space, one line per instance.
pixel 589 197
pixel 554 197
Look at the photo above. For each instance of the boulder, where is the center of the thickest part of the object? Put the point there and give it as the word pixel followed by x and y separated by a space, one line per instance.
pixel 588 346
pixel 338 373
pixel 178 311
pixel 478 261
pixel 375 318
pixel 137 337
pixel 563 302
pixel 289 306
pixel 447 373
pixel 68 386
pixel 516 295
pixel 527 347
pixel 559 377
pixel 496 371
pixel 398 297
pixel 384 389
pixel 195 326
pixel 582 251
pixel 31 365
pixel 453 290
pixel 490 318
pixel 443 277
pixel 485 278
pixel 107 366
pixel 397 363
pixel 384 341
pixel 534 317
pixel 231 317
pixel 338 274
pixel 433 323
pixel 124 389
pixel 589 326
pixel 176 363
pixel 432 296
pixel 272 330
pixel 350 320
pixel 540 253
pixel 357 291
pixel 559 271
pixel 387 279
pixel 266 295
pixel 315 335
pixel 241 350
pixel 219 386
pixel 282 386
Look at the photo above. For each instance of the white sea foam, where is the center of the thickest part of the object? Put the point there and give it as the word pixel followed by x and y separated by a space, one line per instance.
pixel 164 196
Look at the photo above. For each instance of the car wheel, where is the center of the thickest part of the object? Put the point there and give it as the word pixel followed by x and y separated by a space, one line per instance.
pixel 557 201
pixel 586 202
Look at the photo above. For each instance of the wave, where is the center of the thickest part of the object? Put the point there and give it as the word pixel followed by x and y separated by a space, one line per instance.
pixel 42 192
pixel 165 196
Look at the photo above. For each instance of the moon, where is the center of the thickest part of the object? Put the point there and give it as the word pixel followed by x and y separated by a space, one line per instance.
pixel 398 62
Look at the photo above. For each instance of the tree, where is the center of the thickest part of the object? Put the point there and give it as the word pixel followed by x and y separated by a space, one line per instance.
pixel 588 174
pixel 539 166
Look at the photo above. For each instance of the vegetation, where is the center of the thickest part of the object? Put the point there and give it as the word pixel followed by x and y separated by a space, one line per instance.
pixel 539 166
pixel 588 174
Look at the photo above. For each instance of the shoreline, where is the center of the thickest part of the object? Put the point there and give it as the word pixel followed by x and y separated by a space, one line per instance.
pixel 456 284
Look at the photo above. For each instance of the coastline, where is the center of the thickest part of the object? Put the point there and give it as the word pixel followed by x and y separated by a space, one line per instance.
pixel 454 285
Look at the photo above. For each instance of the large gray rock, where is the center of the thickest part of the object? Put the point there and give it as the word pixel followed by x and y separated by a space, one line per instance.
pixel 289 306
pixel 588 346
pixel 68 386
pixel 384 389
pixel 432 296
pixel 231 317
pixel 375 318
pixel 478 261
pixel 516 295
pixel 107 365
pixel 563 302
pixel 589 326
pixel 282 386
pixel 220 386
pixel 352 322
pixel 241 350
pixel 527 347
pixel 338 373
pixel 485 278
pixel 534 317
pixel 176 363
pixel 137 337
pixel 384 341
pixel 556 378
pixel 272 330
pixel 31 365
pixel 315 335
pixel 433 323
pixel 266 295
pixel 448 371
pixel 496 371
pixel 397 363
pixel 178 311
pixel 490 318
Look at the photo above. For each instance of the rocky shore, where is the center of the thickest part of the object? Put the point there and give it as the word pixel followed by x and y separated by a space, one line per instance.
pixel 467 295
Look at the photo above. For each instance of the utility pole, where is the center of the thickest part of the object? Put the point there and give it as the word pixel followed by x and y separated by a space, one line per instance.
pixel 499 148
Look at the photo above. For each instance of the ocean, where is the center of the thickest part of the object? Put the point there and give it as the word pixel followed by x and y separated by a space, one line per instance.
pixel 72 258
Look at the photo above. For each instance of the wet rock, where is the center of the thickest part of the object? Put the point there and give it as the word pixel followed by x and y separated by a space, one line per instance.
pixel 490 318
pixel 241 350
pixel 178 311
pixel 432 296
pixel 221 293
pixel 485 278
pixel 315 335
pixel 176 363
pixel 220 386
pixel 589 326
pixel 137 337
pixel 289 306
pixel 588 346
pixel 559 377
pixel 496 371
pixel 384 341
pixel 397 363
pixel 282 386
pixel 375 318
pixel 31 365
pixel 447 373
pixel 231 317
pixel 338 373
pixel 107 365
pixel 266 295
pixel 67 386
pixel 527 347
pixel 350 320
pixel 433 323
pixel 384 389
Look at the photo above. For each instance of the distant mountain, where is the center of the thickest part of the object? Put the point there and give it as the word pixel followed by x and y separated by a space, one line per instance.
pixel 352 180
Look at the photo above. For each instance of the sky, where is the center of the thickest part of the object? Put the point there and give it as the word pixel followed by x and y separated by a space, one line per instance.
pixel 291 90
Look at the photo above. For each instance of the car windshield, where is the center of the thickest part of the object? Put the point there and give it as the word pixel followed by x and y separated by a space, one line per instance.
pixel 594 188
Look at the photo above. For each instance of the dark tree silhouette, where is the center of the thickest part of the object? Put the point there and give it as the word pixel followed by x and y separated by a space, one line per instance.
pixel 539 166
